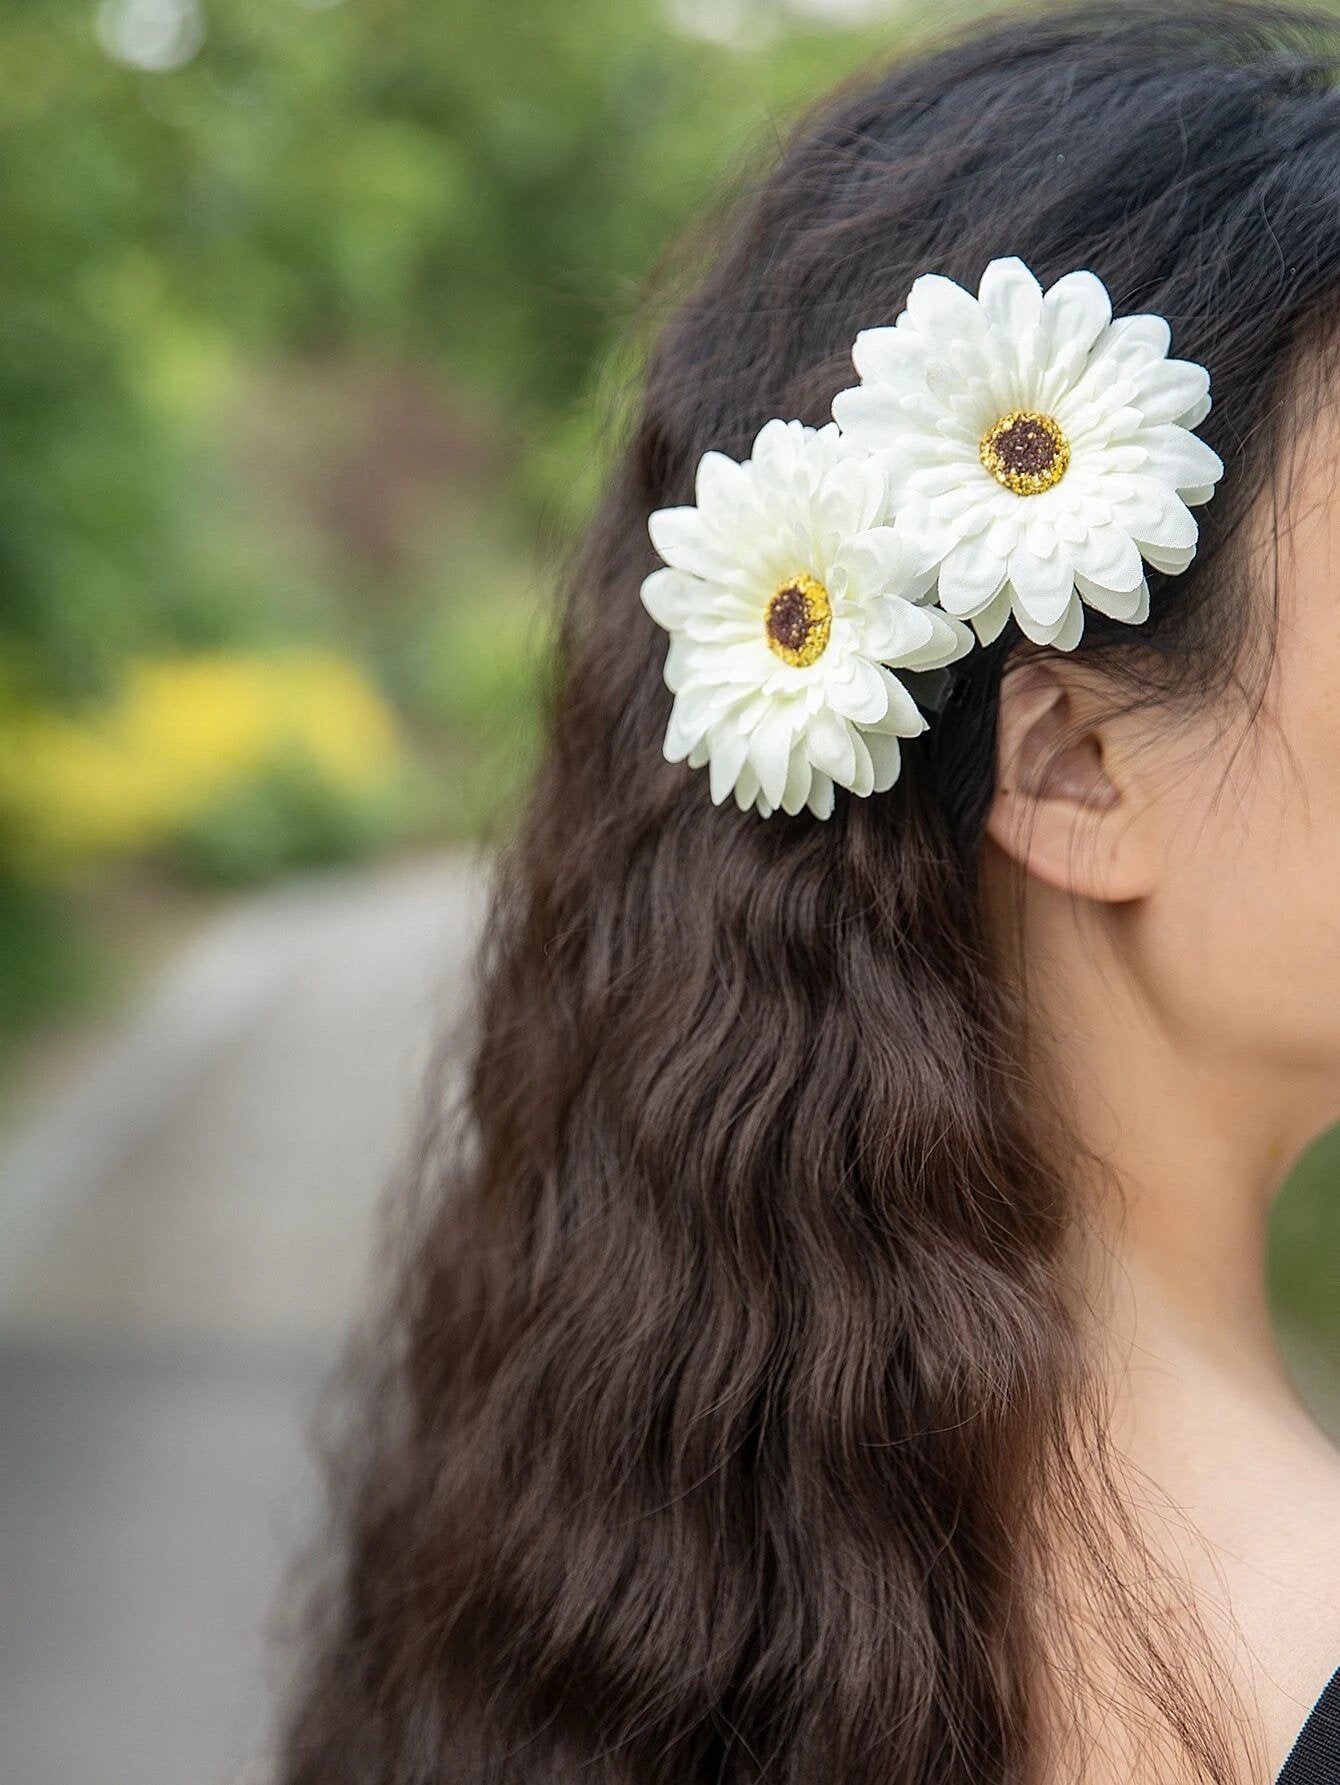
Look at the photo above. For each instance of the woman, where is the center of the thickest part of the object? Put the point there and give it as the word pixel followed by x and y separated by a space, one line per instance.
pixel 838 1349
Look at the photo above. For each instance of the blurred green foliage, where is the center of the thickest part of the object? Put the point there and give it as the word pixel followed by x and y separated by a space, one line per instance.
pixel 1305 1272
pixel 302 307
pixel 45 960
pixel 289 817
pixel 473 193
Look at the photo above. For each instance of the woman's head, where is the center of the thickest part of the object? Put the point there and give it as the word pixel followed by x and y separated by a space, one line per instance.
pixel 737 1418
pixel 1191 162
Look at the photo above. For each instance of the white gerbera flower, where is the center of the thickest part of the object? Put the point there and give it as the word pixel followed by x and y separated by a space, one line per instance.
pixel 1036 449
pixel 788 604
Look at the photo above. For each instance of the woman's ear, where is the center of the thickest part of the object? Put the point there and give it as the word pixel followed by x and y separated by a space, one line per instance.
pixel 1068 806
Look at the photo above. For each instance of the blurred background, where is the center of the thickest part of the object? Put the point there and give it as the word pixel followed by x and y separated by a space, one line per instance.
pixel 314 318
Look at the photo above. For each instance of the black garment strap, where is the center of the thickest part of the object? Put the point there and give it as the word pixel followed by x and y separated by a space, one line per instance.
pixel 1314 1758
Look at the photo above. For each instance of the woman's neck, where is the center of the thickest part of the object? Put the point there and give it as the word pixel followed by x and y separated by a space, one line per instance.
pixel 1234 1486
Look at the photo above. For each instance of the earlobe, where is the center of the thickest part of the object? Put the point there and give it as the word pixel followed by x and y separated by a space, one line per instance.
pixel 1063 810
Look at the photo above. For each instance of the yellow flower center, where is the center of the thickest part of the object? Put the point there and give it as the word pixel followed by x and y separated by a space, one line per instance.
pixel 1025 451
pixel 798 620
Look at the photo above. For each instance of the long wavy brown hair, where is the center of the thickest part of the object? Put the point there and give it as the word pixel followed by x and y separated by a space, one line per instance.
pixel 734 1419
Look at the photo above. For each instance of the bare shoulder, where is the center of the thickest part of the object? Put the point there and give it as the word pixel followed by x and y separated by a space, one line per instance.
pixel 1266 1568
pixel 1247 1537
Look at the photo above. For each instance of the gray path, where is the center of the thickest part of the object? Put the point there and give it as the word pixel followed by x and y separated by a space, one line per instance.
pixel 184 1234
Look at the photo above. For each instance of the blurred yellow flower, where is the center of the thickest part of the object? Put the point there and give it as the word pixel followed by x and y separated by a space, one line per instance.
pixel 182 734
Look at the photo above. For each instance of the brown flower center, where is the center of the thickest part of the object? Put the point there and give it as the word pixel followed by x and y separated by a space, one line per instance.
pixel 798 621
pixel 1025 451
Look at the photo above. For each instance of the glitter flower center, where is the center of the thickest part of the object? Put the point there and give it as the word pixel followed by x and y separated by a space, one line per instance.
pixel 1025 451
pixel 798 621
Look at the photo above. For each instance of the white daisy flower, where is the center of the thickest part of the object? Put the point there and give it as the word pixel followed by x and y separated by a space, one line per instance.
pixel 1036 449
pixel 788 606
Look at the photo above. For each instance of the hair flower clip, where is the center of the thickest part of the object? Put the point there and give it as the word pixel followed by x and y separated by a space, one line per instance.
pixel 1037 450
pixel 790 603
pixel 1017 453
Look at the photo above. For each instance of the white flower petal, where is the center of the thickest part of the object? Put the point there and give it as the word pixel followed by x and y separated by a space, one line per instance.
pixel 892 631
pixel 860 696
pixel 1097 411
pixel 936 305
pixel 701 705
pixel 1127 344
pixel 950 639
pixel 746 788
pixel 863 776
pixel 1128 605
pixel 1076 310
pixel 1109 462
pixel 969 577
pixel 1071 629
pixel 1171 563
pixel 678 661
pixel 733 622
pixel 1185 461
pixel 724 492
pixel 1168 389
pixel 681 744
pixel 776 455
pixel 832 747
pixel 850 502
pixel 903 717
pixel 1004 530
pixel 1064 632
pixel 1108 555
pixel 1154 515
pixel 887 355
pixel 684 539
pixel 673 596
pixel 799 777
pixel 1196 414
pixel 992 621
pixel 820 801
pixel 729 748
pixel 770 753
pixel 1011 299
pixel 1042 586
pixel 881 561
pixel 1140 337
pixel 885 759
pixel 871 414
